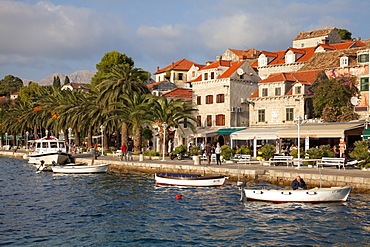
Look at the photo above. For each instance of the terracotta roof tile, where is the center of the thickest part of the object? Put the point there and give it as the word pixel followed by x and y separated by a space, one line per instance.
pixel 255 94
pixel 182 64
pixel 306 77
pixel 151 85
pixel 179 93
pixel 247 54
pixel 216 64
pixel 234 66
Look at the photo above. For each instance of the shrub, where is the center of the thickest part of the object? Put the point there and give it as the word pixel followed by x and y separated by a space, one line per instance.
pixel 151 153
pixel 328 152
pixel 294 153
pixel 227 152
pixel 267 151
pixel 243 150
pixel 361 153
pixel 195 150
pixel 180 149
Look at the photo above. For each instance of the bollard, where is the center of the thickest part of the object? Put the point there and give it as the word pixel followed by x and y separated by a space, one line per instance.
pixel 141 157
pixel 196 159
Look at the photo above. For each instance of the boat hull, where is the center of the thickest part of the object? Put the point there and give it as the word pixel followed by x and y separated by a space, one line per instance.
pixel 48 158
pixel 190 180
pixel 315 195
pixel 81 169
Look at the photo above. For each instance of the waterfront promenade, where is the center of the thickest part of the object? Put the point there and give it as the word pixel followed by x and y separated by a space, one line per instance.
pixel 254 171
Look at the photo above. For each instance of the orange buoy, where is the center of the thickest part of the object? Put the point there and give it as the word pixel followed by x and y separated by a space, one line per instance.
pixel 178 196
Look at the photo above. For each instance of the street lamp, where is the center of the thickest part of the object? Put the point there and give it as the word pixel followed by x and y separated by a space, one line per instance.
pixel 164 139
pixel 27 133
pixel 6 139
pixel 69 139
pixel 102 139
pixel 299 122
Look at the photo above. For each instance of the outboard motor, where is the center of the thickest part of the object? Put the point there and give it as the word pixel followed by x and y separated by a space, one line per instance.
pixel 241 185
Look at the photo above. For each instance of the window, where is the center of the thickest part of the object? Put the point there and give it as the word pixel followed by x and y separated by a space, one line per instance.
pixel 212 75
pixel 205 76
pixel 220 98
pixel 209 99
pixel 261 115
pixel 363 58
pixel 289 114
pixel 302 45
pixel 199 123
pixel 265 92
pixel 220 120
pixel 199 100
pixel 181 76
pixel 209 120
pixel 193 74
pixel 185 123
pixel 298 90
pixel 364 84
pixel 343 61
pixel 278 91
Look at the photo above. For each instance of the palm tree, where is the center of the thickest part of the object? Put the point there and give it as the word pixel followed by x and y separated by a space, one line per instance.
pixel 123 79
pixel 134 110
pixel 174 113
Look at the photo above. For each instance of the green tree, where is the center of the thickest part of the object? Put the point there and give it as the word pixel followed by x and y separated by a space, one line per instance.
pixel 66 80
pixel 29 93
pixel 56 81
pixel 109 60
pixel 331 99
pixel 10 84
pixel 361 153
pixel 344 34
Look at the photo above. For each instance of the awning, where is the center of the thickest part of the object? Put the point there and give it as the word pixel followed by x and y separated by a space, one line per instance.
pixel 366 134
pixel 258 134
pixel 322 130
pixel 228 131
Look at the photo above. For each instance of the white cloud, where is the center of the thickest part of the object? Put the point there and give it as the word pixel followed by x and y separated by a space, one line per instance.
pixel 55 31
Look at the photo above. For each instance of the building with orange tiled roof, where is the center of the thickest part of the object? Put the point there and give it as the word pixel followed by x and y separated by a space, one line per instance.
pixel 238 55
pixel 219 93
pixel 14 96
pixel 75 86
pixel 281 97
pixel 184 93
pixel 161 87
pixel 175 73
pixel 351 62
pixel 315 37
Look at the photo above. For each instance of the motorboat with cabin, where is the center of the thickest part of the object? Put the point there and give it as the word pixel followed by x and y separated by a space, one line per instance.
pixel 50 150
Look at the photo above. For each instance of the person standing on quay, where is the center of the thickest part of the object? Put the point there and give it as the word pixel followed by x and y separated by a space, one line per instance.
pixel 218 154
pixel 123 150
pixel 208 150
pixel 129 151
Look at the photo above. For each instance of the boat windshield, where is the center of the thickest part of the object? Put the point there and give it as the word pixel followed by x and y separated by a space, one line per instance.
pixel 53 145
pixel 61 145
pixel 45 145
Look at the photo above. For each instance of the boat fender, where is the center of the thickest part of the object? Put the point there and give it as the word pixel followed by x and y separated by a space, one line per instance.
pixel 311 193
pixel 240 183
pixel 178 197
pixel 286 192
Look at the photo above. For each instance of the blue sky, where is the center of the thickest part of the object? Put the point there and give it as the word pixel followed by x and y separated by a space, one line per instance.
pixel 39 38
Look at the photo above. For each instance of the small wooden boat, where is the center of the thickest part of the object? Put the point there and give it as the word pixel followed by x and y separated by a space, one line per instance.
pixel 315 195
pixel 81 169
pixel 194 180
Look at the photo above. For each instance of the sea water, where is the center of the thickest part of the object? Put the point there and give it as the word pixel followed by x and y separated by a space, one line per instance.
pixel 47 209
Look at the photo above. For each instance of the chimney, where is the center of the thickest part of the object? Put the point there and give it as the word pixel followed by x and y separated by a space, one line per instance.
pixel 157 68
pixel 325 41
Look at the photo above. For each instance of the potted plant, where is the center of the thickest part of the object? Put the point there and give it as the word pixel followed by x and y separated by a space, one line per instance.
pixel 226 152
pixel 268 151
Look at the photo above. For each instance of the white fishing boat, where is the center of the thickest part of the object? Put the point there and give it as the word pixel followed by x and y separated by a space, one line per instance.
pixel 50 150
pixel 315 195
pixel 81 169
pixel 193 180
